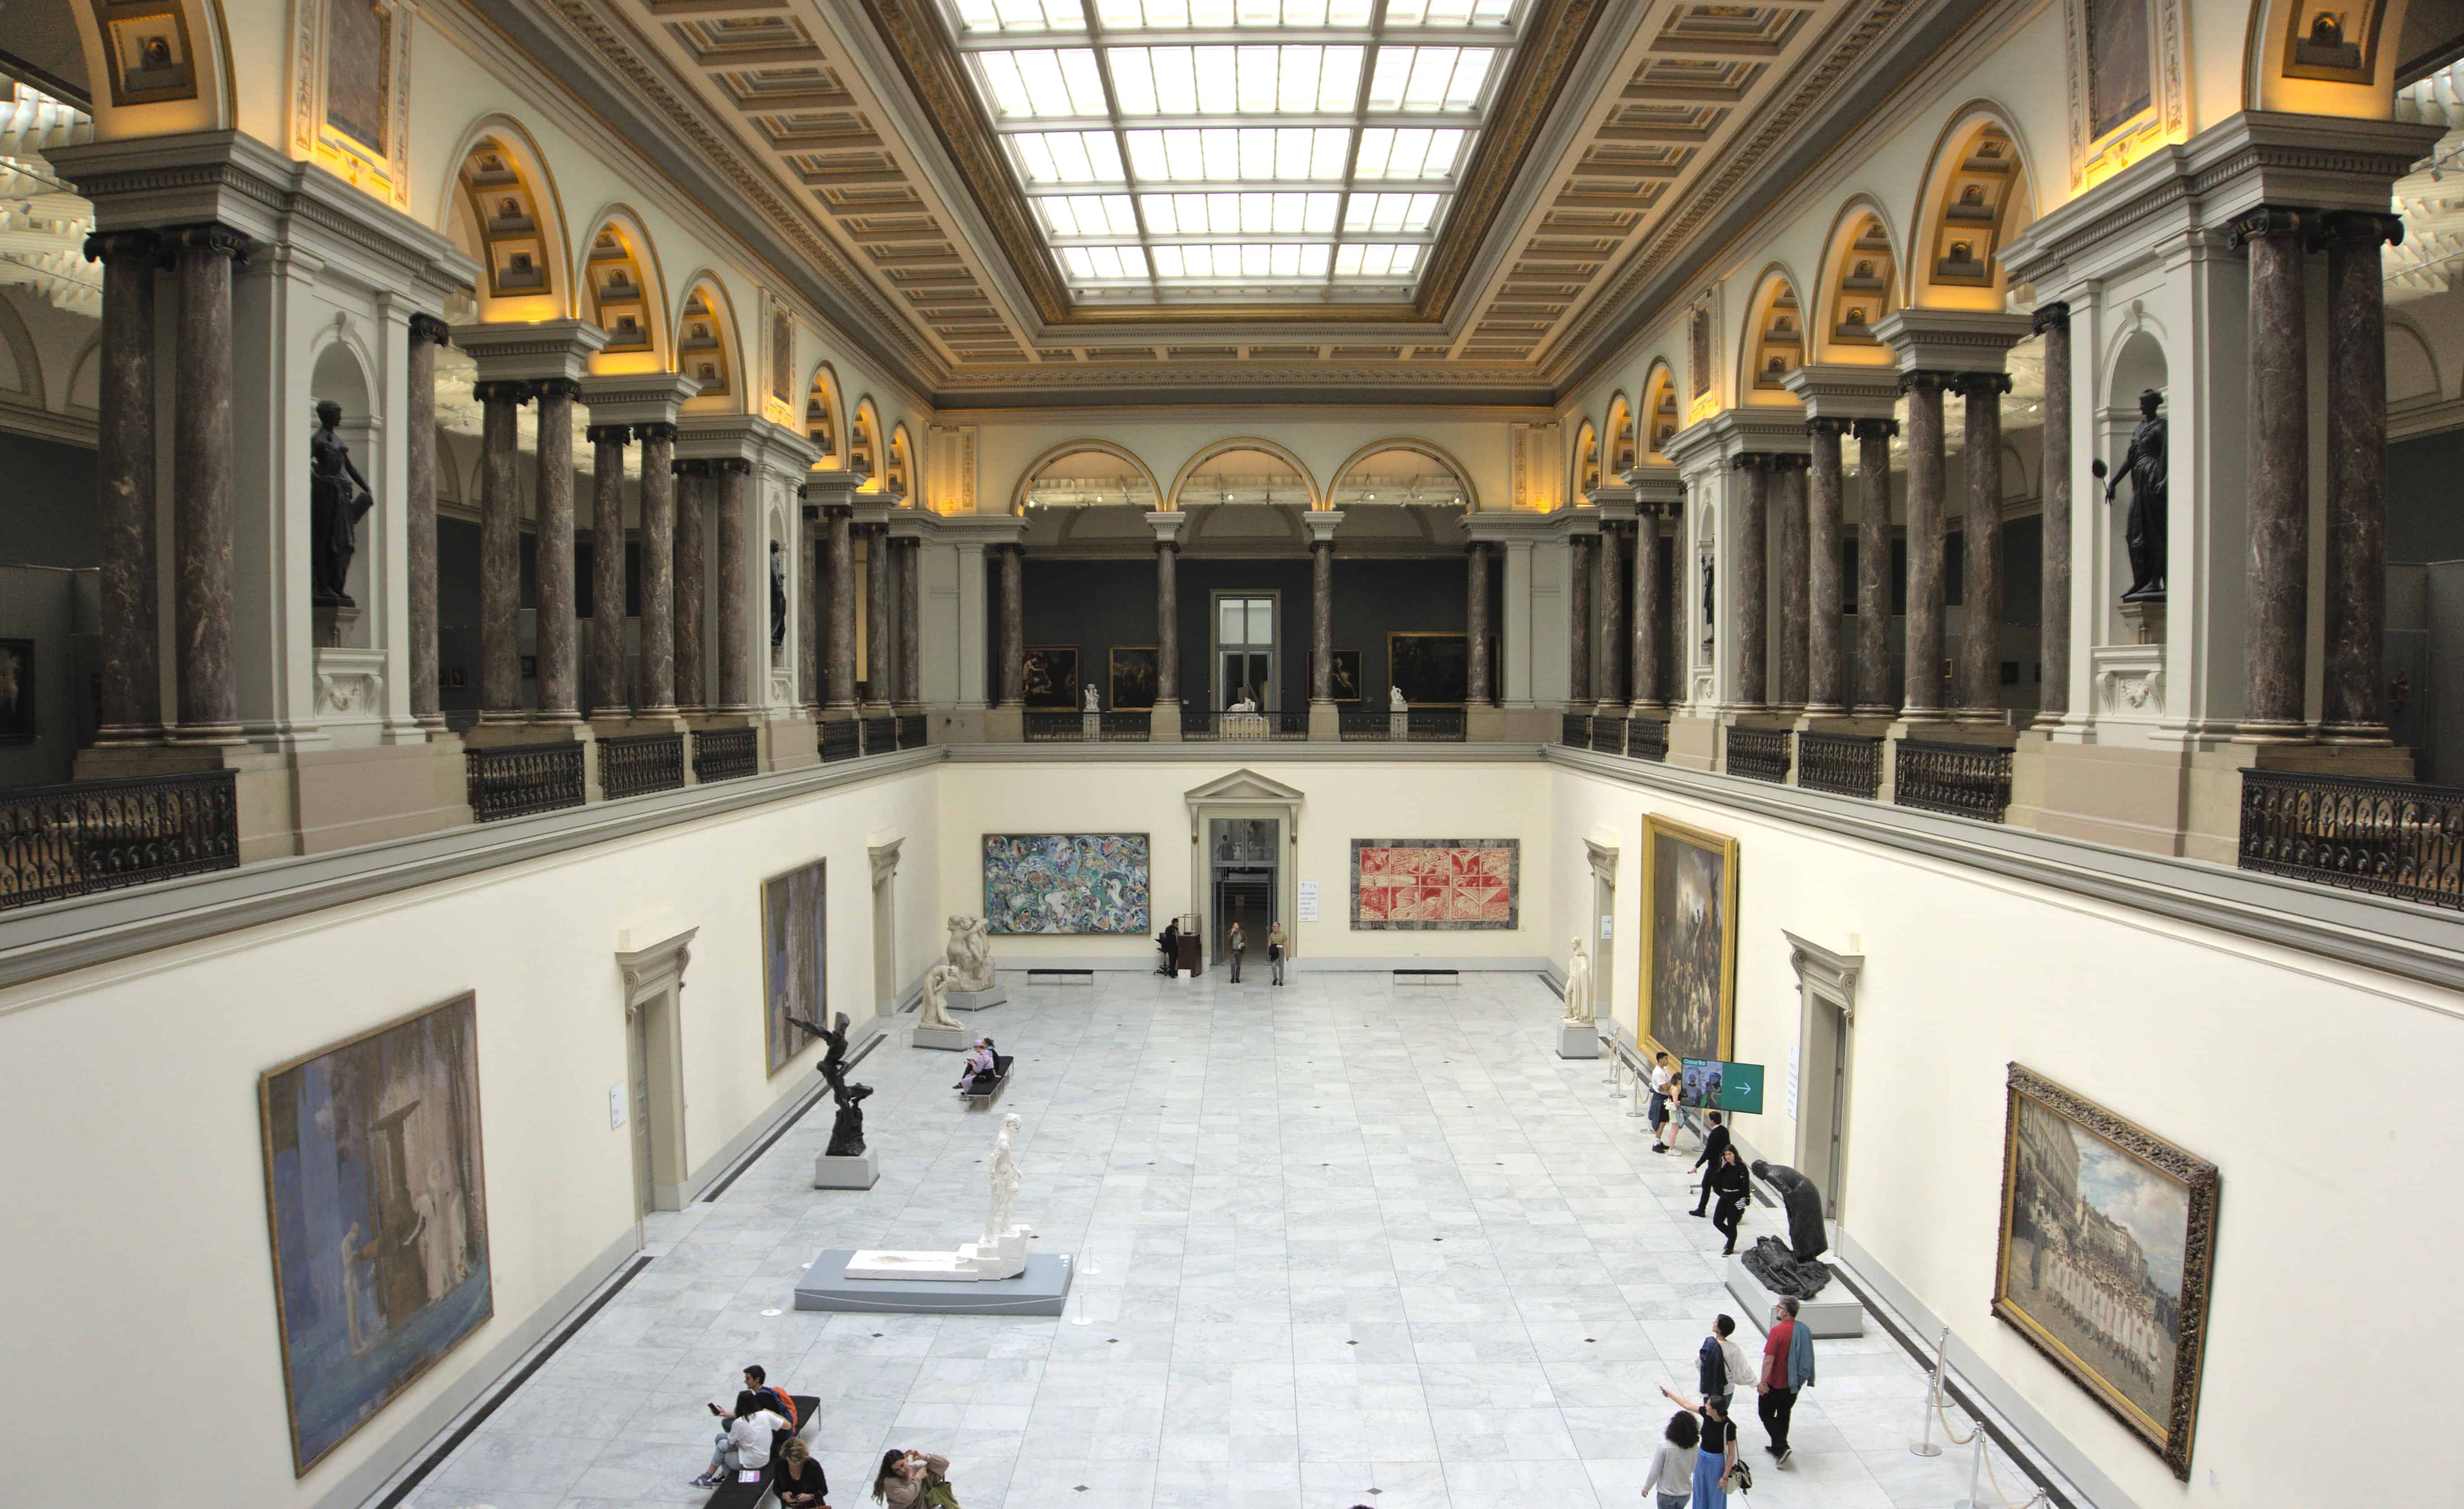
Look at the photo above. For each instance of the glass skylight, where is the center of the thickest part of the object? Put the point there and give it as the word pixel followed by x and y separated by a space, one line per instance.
pixel 1220 150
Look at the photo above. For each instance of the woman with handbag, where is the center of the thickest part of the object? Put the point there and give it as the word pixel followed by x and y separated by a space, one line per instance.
pixel 1716 1468
pixel 908 1480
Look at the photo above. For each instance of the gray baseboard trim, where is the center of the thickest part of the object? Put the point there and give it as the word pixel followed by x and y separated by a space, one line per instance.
pixel 799 1099
pixel 1256 961
pixel 410 1444
pixel 2075 1481
pixel 1210 751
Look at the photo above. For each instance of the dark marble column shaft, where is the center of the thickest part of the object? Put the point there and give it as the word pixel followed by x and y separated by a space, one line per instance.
pixel 2276 601
pixel 838 526
pixel 1322 619
pixel 132 642
pixel 655 690
pixel 694 480
pixel 909 555
pixel 812 570
pixel 560 664
pixel 2053 321
pixel 1608 603
pixel 1747 606
pixel 880 635
pixel 1476 668
pixel 1167 624
pixel 1788 656
pixel 1922 693
pixel 419 516
pixel 1578 621
pixel 1650 608
pixel 1826 668
pixel 735 570
pixel 1013 626
pixel 500 549
pixel 1874 567
pixel 2354 706
pixel 202 442
pixel 608 690
pixel 1980 647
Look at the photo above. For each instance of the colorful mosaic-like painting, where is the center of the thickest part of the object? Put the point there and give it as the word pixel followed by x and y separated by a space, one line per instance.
pixel 1066 882
pixel 1402 884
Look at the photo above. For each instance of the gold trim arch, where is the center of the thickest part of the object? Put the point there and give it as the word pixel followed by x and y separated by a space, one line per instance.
pixel 729 332
pixel 1214 449
pixel 656 352
pixel 1772 328
pixel 1018 493
pixel 833 444
pixel 1979 134
pixel 523 169
pixel 1418 447
pixel 1844 249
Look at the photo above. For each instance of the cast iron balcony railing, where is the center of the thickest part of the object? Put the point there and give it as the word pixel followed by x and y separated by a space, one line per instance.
pixel 1437 724
pixel 86 837
pixel 1576 729
pixel 1647 738
pixel 519 780
pixel 1758 754
pixel 1282 723
pixel 840 739
pixel 1055 728
pixel 1608 736
pixel 725 754
pixel 2393 838
pixel 636 764
pixel 880 734
pixel 1129 727
pixel 1963 780
pixel 910 731
pixel 1843 764
pixel 1373 727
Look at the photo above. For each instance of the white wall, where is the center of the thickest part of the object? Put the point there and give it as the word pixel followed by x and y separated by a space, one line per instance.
pixel 2213 1042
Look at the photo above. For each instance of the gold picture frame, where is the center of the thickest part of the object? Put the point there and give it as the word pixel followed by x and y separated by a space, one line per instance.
pixel 1685 992
pixel 794 960
pixel 2068 1165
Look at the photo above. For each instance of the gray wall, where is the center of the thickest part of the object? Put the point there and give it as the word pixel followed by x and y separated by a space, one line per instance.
pixel 58 610
pixel 48 494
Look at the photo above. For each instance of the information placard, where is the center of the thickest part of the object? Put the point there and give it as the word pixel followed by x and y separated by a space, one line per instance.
pixel 1716 1084
pixel 1308 900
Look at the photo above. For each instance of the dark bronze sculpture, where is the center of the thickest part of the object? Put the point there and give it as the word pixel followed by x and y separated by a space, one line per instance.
pixel 1803 1202
pixel 1778 1271
pixel 1708 597
pixel 846 1134
pixel 777 596
pixel 2144 532
pixel 338 500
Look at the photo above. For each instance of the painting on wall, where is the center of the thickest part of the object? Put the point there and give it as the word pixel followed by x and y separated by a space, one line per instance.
pixel 1066 882
pixel 357 48
pixel 379 1215
pixel 1429 669
pixel 1132 681
pixel 1424 884
pixel 2108 1237
pixel 1689 920
pixel 795 944
pixel 1342 683
pixel 2117 57
pixel 1050 676
pixel 17 722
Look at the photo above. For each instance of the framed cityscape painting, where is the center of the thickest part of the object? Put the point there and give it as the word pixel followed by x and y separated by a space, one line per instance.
pixel 2108 1238
pixel 1425 884
pixel 1049 678
pixel 795 944
pixel 1689 944
pixel 1066 882
pixel 375 1195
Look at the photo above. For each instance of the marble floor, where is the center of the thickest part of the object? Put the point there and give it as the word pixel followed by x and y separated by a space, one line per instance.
pixel 1349 1245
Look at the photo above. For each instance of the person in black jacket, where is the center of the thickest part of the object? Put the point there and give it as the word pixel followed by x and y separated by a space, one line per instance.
pixel 796 1478
pixel 1169 944
pixel 1714 1143
pixel 1730 1185
pixel 1711 1370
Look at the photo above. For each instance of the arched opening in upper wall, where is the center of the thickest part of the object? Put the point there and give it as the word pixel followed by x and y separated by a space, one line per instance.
pixel 504 211
pixel 1405 473
pixel 1863 283
pixel 1621 435
pixel 1659 417
pixel 159 73
pixel 824 418
pixel 625 295
pixel 709 348
pixel 1246 470
pixel 863 441
pixel 1977 198
pixel 899 475
pixel 1774 335
pixel 1586 469
pixel 1086 474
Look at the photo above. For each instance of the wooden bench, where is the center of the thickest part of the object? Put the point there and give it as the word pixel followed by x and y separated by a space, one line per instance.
pixel 1428 977
pixel 1057 976
pixel 734 1493
pixel 985 1096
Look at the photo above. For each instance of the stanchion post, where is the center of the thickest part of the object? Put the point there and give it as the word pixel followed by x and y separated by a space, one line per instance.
pixel 1925 1445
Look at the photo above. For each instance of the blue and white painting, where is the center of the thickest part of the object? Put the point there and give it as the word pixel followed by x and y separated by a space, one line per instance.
pixel 379 1215
pixel 1066 884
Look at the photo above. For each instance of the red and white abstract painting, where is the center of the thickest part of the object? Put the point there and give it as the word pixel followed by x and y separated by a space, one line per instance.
pixel 1408 883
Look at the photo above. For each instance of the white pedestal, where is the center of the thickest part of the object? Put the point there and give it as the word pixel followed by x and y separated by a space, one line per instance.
pixel 1836 1312
pixel 956 1040
pixel 976 1000
pixel 833 1172
pixel 1091 727
pixel 1578 1042
pixel 973 1262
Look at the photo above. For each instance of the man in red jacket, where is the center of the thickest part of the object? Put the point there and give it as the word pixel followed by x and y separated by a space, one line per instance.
pixel 1777 1398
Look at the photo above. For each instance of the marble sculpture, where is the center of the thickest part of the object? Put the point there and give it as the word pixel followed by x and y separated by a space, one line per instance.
pixel 1094 703
pixel 1578 986
pixel 1001 1255
pixel 967 966
pixel 1394 699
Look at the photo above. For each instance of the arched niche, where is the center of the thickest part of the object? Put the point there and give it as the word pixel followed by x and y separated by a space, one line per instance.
pixel 1585 473
pixel 864 442
pixel 503 211
pixel 21 367
pixel 826 418
pixel 1774 334
pixel 708 348
pixel 1402 472
pixel 1246 470
pixel 1977 198
pixel 625 295
pixel 1621 435
pixel 1659 418
pixel 163 72
pixel 2330 57
pixel 1862 283
pixel 1086 474
pixel 340 375
pixel 899 475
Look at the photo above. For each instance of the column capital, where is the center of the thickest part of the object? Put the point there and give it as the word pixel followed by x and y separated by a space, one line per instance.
pixel 1923 382
pixel 1877 428
pixel 502 390
pixel 1322 522
pixel 1951 340
pixel 602 435
pixel 645 433
pixel 558 388
pixel 693 466
pixel 110 246
pixel 534 351
pixel 212 236
pixel 430 329
pixel 2363 226
pixel 1830 425
pixel 2050 316
pixel 2270 220
pixel 1167 524
pixel 1981 385
pixel 1791 461
pixel 640 398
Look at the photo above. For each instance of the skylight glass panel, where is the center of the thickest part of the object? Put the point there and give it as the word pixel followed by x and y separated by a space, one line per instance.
pixel 1043 82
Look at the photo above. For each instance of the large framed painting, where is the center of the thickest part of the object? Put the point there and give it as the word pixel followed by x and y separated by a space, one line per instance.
pixel 1049 676
pixel 2108 1238
pixel 1133 677
pixel 1066 882
pixel 379 1212
pixel 18 724
pixel 795 945
pixel 1343 680
pixel 1426 884
pixel 1690 922
pixel 1430 670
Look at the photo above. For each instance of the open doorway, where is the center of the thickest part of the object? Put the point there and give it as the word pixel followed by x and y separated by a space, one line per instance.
pixel 1602 930
pixel 1826 984
pixel 1243 862
pixel 653 1091
pixel 885 927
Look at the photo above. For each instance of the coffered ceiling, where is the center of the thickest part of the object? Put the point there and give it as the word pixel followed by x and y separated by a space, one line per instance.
pixel 1072 201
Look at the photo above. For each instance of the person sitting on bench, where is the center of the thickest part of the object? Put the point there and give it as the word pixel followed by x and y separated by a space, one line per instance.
pixel 1169 944
pixel 984 1066
pixel 743 1444
pixel 796 1477
pixel 777 1401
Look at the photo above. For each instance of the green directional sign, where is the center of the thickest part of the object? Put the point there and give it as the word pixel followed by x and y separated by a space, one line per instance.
pixel 1716 1084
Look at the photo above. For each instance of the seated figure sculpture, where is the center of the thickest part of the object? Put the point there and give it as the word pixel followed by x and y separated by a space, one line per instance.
pixel 1794 1267
pixel 968 966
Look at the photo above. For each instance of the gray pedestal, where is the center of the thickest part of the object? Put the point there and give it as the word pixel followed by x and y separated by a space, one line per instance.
pixel 861 1172
pixel 1042 1290
pixel 977 1000
pixel 1578 1042
pixel 1835 1312
pixel 958 1039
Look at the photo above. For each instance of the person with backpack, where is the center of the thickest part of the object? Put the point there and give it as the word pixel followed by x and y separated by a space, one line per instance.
pixel 1720 1363
pixel 776 1400
pixel 1788 1368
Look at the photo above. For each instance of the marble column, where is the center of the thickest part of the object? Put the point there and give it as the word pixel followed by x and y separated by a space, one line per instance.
pixel 1608 594
pixel 734 488
pixel 812 570
pixel 419 516
pixel 1874 567
pixel 2053 321
pixel 1578 623
pixel 1826 671
pixel 202 445
pixel 1749 614
pixel 1788 655
pixel 607 693
pixel 2276 601
pixel 1923 694
pixel 654 690
pixel 880 638
pixel 839 546
pixel 1980 647
pixel 694 482
pixel 501 550
pixel 909 555
pixel 559 662
pixel 132 673
pixel 1322 620
pixel 1168 624
pixel 2353 708
pixel 1650 612
pixel 1013 626
pixel 1476 668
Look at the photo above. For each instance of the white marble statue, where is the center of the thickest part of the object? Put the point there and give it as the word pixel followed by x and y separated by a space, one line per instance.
pixel 968 967
pixel 1094 704
pixel 1246 704
pixel 1578 986
pixel 1005 1182
pixel 1394 699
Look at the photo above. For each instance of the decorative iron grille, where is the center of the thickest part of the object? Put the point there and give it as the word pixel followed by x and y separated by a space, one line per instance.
pixel 519 780
pixel 1843 764
pixel 1758 754
pixel 725 754
pixel 1963 780
pixel 87 836
pixel 1647 738
pixel 2396 838
pixel 840 739
pixel 636 764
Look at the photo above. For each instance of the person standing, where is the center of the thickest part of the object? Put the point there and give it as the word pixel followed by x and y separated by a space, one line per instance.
pixel 1671 1478
pixel 1711 1373
pixel 1275 951
pixel 1730 1185
pixel 1715 1458
pixel 1169 944
pixel 1660 1074
pixel 1787 1365
pixel 1232 945
pixel 907 1478
pixel 1715 1142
